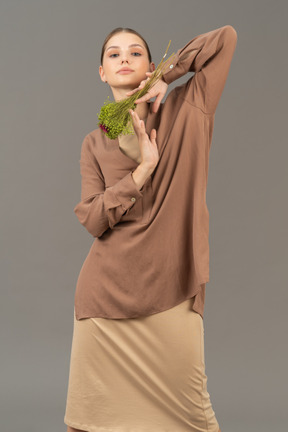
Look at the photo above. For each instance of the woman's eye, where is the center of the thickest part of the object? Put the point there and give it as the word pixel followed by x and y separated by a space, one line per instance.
pixel 137 54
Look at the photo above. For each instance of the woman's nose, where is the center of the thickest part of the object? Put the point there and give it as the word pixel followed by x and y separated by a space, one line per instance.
pixel 124 58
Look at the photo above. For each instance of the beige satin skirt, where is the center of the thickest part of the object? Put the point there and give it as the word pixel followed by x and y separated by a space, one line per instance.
pixel 140 375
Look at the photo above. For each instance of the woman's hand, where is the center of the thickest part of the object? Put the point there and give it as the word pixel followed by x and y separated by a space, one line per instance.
pixel 159 89
pixel 148 147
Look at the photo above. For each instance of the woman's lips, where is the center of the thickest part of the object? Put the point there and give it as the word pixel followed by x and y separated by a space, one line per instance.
pixel 125 72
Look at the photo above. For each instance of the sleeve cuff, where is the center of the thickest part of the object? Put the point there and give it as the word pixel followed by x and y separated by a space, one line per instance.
pixel 169 74
pixel 126 192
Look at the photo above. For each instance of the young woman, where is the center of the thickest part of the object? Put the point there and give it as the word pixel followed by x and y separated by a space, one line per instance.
pixel 137 359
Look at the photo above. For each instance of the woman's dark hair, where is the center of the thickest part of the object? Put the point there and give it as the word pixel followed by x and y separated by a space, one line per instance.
pixel 123 30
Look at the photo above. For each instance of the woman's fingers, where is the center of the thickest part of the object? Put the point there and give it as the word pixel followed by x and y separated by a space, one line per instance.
pixel 132 92
pixel 157 102
pixel 144 98
pixel 153 136
pixel 141 85
pixel 148 145
pixel 139 125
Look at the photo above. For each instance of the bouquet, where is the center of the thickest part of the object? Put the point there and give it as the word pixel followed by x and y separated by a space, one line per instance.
pixel 114 117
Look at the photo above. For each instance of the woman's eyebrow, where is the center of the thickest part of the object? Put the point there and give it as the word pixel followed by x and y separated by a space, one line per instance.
pixel 114 46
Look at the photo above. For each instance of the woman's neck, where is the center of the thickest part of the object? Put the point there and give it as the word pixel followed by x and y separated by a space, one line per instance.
pixel 142 110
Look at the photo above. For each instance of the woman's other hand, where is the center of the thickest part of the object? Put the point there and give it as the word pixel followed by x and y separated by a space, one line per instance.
pixel 148 146
pixel 159 90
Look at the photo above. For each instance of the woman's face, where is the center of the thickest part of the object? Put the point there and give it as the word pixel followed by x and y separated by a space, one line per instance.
pixel 125 50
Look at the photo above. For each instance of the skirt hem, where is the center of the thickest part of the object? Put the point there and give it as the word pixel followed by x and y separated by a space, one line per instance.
pixel 87 428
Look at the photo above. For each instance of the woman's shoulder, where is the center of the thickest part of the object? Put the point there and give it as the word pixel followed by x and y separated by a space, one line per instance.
pixel 95 135
pixel 92 141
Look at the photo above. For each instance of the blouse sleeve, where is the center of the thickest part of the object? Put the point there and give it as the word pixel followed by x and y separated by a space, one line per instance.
pixel 101 208
pixel 209 55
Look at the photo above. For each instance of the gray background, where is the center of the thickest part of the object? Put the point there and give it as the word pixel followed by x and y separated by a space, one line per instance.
pixel 50 96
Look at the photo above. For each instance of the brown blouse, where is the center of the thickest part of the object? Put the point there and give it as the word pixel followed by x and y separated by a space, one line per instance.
pixel 151 246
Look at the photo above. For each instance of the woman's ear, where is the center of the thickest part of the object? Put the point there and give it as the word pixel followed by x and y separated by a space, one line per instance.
pixel 101 73
pixel 152 67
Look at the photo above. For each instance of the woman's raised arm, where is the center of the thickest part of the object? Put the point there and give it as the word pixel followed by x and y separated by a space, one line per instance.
pixel 209 55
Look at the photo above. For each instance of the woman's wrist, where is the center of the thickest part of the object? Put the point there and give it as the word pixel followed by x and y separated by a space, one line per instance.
pixel 141 174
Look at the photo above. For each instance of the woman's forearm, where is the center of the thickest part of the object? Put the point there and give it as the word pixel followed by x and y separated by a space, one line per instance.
pixel 141 174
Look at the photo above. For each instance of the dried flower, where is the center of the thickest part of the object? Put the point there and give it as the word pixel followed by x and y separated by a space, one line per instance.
pixel 114 117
